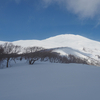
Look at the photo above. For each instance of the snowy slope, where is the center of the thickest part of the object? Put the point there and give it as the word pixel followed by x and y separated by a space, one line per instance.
pixel 76 45
pixel 67 51
pixel 86 46
pixel 49 81
pixel 67 40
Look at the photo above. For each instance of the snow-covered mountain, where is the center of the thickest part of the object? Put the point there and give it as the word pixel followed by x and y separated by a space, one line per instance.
pixel 66 44
pixel 67 40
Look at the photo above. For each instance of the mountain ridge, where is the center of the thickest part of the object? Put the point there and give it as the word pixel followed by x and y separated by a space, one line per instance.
pixel 67 44
pixel 63 40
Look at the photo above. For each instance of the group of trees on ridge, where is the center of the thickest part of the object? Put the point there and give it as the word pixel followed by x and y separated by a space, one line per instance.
pixel 9 52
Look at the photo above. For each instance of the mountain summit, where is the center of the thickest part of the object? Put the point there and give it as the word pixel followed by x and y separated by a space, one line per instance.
pixel 66 40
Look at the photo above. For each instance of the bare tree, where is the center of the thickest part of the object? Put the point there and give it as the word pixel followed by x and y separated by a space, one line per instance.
pixel 1 54
pixel 32 49
pixel 10 51
pixel 32 54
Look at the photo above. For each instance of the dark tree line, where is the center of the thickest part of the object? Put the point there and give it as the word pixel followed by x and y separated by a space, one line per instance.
pixel 8 52
pixel 54 57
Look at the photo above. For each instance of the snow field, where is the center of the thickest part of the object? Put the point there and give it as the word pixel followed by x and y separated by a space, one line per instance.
pixel 50 81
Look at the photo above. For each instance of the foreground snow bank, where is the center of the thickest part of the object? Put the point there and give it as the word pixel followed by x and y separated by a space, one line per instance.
pixel 49 81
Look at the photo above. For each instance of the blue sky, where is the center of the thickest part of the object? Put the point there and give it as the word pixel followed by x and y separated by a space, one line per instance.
pixel 40 19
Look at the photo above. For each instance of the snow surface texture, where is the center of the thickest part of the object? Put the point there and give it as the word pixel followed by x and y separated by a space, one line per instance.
pixel 49 81
pixel 75 45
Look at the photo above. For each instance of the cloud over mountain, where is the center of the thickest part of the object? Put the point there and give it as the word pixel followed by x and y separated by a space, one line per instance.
pixel 83 8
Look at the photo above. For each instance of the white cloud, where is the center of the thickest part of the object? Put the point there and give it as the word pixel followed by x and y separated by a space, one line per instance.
pixel 83 8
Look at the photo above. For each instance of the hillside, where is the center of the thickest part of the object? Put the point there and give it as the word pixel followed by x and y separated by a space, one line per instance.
pixel 66 40
pixel 67 44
